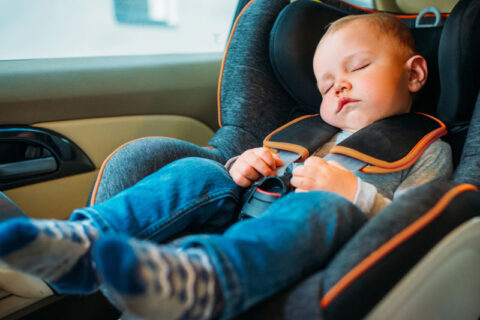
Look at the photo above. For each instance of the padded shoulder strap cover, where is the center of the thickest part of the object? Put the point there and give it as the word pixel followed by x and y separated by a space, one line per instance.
pixel 392 144
pixel 303 135
pixel 388 145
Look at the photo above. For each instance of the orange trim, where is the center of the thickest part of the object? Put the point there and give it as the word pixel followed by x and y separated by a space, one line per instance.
pixel 381 166
pixel 302 151
pixel 400 16
pixel 393 243
pixel 210 147
pixel 275 194
pixel 219 90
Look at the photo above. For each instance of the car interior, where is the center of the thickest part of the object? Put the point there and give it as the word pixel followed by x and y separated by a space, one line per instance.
pixel 70 129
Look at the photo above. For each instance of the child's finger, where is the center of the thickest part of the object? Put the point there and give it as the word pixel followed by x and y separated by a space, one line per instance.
pixel 267 156
pixel 315 161
pixel 248 172
pixel 278 162
pixel 312 167
pixel 276 157
pixel 302 183
pixel 259 164
pixel 298 171
pixel 240 180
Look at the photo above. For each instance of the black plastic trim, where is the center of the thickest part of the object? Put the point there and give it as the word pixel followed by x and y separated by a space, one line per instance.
pixel 8 209
pixel 69 158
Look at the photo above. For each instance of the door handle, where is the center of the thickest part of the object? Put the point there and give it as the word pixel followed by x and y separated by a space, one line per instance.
pixel 30 155
pixel 28 168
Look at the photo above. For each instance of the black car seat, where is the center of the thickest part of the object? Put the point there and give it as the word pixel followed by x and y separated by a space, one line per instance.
pixel 266 80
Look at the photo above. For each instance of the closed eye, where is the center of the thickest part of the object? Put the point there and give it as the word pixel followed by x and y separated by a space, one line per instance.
pixel 325 91
pixel 362 66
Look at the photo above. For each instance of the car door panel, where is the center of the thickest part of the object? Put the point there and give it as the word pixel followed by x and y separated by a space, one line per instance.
pixel 101 103
pixel 97 81
pixel 77 88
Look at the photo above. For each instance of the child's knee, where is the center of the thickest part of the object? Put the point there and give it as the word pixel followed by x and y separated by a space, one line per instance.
pixel 315 199
pixel 201 169
pixel 318 205
pixel 199 163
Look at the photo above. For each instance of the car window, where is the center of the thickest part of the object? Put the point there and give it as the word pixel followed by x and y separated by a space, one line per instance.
pixel 84 28
pixel 368 4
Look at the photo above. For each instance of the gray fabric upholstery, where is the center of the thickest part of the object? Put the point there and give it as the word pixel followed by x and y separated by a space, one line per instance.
pixel 251 96
pixel 397 216
pixel 231 141
pixel 468 171
pixel 424 229
pixel 297 302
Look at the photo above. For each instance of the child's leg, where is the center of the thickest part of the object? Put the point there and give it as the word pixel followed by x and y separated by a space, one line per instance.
pixel 157 282
pixel 190 192
pixel 251 261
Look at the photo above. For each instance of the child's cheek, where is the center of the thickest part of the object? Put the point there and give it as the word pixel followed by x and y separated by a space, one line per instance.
pixel 327 109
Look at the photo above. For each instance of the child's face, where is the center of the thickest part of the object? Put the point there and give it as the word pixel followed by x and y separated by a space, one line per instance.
pixel 362 77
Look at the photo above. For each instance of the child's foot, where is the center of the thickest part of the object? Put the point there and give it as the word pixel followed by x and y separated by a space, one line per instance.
pixel 53 250
pixel 158 282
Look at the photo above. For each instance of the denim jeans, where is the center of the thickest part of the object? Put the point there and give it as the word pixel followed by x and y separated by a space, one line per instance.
pixel 253 258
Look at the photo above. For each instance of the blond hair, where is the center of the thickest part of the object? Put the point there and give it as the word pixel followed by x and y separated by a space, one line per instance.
pixel 387 25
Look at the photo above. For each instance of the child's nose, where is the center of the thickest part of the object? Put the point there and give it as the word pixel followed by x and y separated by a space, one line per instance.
pixel 342 86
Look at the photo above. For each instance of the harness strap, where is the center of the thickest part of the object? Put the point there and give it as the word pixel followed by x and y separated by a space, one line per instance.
pixel 288 158
pixel 392 144
pixel 382 147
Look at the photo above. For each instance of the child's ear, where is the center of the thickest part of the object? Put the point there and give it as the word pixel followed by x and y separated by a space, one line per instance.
pixel 418 72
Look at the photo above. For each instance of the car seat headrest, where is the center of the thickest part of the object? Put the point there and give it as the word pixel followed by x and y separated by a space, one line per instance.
pixel 300 26
pixel 458 57
pixel 293 40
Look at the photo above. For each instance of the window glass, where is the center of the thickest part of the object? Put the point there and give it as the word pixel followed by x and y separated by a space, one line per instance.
pixel 31 29
pixel 368 4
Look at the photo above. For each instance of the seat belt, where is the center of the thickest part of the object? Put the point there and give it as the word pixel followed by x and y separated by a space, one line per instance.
pixel 264 192
pixel 289 158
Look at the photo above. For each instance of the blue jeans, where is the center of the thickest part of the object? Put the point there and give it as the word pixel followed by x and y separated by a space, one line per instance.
pixel 254 258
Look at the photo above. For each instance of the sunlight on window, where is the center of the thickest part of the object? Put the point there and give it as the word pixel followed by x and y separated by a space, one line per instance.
pixel 84 28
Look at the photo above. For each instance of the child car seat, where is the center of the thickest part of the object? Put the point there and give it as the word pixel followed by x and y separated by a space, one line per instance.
pixel 266 80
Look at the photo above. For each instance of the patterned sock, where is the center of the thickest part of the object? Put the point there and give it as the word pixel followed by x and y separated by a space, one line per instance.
pixel 158 282
pixel 53 250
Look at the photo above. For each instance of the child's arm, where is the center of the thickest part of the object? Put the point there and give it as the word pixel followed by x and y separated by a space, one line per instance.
pixel 318 174
pixel 254 164
pixel 435 163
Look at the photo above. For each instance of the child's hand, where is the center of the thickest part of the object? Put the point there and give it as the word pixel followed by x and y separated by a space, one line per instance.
pixel 318 174
pixel 254 164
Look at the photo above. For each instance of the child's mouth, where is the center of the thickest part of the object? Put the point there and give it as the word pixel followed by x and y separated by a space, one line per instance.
pixel 343 102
